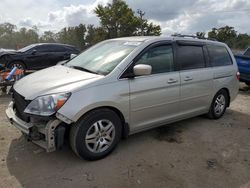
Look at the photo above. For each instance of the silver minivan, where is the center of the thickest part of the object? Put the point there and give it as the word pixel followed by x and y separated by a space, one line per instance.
pixel 120 87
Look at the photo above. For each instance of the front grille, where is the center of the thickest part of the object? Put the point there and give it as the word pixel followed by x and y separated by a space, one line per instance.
pixel 20 104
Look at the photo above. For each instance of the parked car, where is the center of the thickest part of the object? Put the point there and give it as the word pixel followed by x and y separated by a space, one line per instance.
pixel 123 86
pixel 243 62
pixel 37 56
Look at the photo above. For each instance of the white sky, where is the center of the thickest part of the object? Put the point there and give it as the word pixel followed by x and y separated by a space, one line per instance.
pixel 180 16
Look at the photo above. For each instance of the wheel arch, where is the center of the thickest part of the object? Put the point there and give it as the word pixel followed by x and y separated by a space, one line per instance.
pixel 18 60
pixel 125 125
pixel 228 94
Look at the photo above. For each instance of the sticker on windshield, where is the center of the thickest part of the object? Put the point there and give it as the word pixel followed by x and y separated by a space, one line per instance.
pixel 132 43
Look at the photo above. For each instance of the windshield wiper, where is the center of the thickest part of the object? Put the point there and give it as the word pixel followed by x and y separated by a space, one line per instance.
pixel 83 69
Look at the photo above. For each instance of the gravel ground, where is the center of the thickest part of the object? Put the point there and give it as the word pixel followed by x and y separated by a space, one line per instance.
pixel 193 153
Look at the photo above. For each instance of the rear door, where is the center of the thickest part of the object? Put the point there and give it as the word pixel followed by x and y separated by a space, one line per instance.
pixel 58 53
pixel 196 78
pixel 154 98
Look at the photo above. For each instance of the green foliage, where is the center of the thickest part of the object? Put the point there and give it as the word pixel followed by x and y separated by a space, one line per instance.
pixel 73 35
pixel 224 34
pixel 118 20
pixel 10 38
pixel 48 36
pixel 94 35
pixel 200 35
pixel 229 36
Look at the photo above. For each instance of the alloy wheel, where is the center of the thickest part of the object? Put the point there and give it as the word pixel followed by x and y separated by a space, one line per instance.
pixel 100 136
pixel 219 105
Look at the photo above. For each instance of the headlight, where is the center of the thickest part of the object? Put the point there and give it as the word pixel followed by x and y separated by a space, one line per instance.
pixel 47 105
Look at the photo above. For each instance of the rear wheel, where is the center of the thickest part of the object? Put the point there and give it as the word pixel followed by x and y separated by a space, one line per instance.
pixel 219 105
pixel 96 134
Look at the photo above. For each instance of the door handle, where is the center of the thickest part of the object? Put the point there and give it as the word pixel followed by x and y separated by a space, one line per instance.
pixel 171 81
pixel 188 78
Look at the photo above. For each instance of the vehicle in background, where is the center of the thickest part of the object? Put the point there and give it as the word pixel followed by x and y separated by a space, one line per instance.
pixel 64 61
pixel 243 61
pixel 37 56
pixel 120 87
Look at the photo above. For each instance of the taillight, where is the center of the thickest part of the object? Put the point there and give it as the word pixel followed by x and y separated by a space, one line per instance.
pixel 238 75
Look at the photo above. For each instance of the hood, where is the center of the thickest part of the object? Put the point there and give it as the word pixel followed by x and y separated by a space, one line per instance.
pixel 53 80
pixel 8 52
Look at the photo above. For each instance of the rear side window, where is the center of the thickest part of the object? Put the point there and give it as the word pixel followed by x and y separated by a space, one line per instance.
pixel 191 57
pixel 56 48
pixel 219 56
pixel 160 58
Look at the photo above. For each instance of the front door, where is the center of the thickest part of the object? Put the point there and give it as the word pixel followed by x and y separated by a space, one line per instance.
pixel 154 99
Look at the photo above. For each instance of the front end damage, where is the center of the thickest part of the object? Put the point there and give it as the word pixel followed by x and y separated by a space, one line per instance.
pixel 48 134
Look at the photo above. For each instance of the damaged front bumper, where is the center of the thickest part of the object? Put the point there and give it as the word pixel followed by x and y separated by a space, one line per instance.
pixel 47 134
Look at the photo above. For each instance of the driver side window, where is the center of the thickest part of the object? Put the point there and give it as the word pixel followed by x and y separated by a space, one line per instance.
pixel 160 58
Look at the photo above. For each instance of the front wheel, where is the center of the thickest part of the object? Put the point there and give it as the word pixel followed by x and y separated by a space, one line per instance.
pixel 219 105
pixel 17 64
pixel 96 134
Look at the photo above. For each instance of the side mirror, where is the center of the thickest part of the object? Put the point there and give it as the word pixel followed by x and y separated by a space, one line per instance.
pixel 33 52
pixel 142 69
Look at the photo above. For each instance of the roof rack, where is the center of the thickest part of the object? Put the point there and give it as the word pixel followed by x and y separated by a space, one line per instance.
pixel 193 36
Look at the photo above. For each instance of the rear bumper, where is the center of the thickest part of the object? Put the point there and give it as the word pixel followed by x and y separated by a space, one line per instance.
pixel 47 130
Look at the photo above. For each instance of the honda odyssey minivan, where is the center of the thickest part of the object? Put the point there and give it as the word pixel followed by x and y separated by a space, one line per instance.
pixel 120 87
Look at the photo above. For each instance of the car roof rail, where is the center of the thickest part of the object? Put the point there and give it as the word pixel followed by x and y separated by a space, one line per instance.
pixel 193 36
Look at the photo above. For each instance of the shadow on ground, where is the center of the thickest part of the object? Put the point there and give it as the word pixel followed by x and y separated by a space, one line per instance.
pixel 189 153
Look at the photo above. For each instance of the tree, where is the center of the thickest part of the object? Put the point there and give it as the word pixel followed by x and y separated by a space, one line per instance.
pixel 200 35
pixel 48 36
pixel 73 35
pixel 224 34
pixel 118 20
pixel 94 35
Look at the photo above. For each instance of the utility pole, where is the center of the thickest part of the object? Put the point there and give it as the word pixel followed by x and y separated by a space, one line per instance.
pixel 141 14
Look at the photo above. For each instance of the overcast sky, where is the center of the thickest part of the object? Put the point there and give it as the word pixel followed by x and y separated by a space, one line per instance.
pixel 174 16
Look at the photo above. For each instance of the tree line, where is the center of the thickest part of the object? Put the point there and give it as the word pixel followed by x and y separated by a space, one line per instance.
pixel 116 19
pixel 229 36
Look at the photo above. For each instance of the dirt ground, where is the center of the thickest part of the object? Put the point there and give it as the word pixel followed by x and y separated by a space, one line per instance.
pixel 193 153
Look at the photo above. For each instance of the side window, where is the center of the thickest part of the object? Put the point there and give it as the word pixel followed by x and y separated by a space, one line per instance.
pixel 247 53
pixel 55 48
pixel 191 57
pixel 42 48
pixel 219 56
pixel 160 58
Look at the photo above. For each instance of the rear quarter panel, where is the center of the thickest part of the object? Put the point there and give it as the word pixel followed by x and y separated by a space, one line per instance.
pixel 225 77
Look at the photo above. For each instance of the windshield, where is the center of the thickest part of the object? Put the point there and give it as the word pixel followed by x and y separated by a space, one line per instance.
pixel 26 48
pixel 103 57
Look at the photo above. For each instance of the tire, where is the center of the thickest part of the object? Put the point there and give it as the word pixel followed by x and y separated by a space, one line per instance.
pixel 96 134
pixel 18 64
pixel 219 105
pixel 247 83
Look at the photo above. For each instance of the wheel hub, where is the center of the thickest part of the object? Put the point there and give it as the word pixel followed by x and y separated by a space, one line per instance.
pixel 100 136
pixel 220 104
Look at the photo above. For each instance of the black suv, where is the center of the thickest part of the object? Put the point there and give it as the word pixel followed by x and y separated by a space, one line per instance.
pixel 37 56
